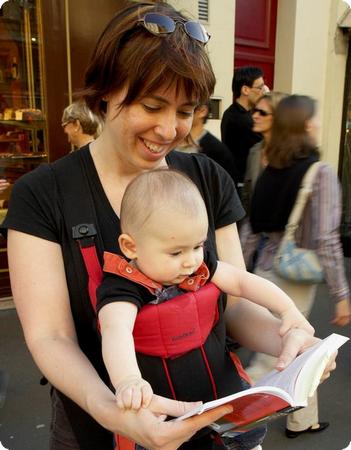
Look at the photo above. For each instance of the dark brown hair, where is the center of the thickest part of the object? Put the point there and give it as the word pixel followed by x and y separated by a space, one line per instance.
pixel 290 139
pixel 244 76
pixel 127 55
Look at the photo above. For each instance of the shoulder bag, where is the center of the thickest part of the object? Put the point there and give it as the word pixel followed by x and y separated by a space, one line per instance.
pixel 300 265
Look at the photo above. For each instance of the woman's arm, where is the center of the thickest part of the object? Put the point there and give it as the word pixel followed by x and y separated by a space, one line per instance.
pixel 41 297
pixel 42 301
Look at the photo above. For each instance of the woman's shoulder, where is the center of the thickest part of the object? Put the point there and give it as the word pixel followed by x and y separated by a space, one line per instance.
pixel 43 178
pixel 256 148
pixel 326 179
pixel 326 170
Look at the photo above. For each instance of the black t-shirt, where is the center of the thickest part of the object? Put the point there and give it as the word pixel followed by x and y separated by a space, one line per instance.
pixel 36 207
pixel 237 135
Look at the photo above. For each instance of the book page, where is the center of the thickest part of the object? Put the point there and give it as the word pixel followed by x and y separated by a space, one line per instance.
pixel 275 392
pixel 302 376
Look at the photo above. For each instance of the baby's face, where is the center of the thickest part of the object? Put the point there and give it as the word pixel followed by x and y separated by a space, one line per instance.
pixel 171 246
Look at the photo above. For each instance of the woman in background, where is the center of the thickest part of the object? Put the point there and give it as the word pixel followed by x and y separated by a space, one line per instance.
pixel 263 116
pixel 291 150
pixel 80 124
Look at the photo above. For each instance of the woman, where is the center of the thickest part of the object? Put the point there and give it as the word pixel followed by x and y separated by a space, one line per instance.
pixel 291 149
pixel 80 124
pixel 139 79
pixel 263 116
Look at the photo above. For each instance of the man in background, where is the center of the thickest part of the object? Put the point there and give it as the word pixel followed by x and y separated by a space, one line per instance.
pixel 203 141
pixel 236 126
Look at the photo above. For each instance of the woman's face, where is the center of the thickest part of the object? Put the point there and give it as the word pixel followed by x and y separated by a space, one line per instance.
pixel 262 117
pixel 313 128
pixel 143 133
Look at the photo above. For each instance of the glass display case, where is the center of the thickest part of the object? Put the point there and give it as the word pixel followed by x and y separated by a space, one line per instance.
pixel 22 118
pixel 22 105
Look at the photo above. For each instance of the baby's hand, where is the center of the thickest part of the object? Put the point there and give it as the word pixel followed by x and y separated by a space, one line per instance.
pixel 133 393
pixel 292 318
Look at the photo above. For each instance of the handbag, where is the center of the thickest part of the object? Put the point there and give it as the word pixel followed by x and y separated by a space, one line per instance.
pixel 293 263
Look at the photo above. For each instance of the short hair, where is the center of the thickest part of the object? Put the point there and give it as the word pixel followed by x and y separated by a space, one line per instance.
pixel 127 55
pixel 290 139
pixel 155 190
pixel 245 76
pixel 91 124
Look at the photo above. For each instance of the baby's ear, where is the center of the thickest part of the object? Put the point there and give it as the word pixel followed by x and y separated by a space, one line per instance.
pixel 127 246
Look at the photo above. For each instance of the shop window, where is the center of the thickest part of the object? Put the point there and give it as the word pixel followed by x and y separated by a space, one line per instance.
pixel 22 120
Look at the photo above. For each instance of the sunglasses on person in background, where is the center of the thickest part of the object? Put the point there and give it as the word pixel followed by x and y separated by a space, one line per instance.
pixel 159 24
pixel 261 112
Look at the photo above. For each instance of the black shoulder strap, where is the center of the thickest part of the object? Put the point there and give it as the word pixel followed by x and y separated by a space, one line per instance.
pixel 71 179
pixel 80 216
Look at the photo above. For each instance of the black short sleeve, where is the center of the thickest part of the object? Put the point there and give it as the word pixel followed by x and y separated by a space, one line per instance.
pixel 118 289
pixel 33 205
pixel 216 186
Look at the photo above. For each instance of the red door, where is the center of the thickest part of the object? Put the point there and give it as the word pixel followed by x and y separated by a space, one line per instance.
pixel 255 31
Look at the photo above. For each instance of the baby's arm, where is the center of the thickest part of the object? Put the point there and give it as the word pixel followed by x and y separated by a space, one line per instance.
pixel 117 322
pixel 238 282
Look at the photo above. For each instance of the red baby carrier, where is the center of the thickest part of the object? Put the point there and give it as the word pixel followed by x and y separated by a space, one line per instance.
pixel 158 330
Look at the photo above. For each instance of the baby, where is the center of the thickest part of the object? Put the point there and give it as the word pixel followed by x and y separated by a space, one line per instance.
pixel 164 229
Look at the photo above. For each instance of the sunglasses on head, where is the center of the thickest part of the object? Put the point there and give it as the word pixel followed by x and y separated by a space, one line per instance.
pixel 159 24
pixel 261 112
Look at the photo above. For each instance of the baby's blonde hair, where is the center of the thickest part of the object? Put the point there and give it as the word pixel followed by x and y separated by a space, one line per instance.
pixel 156 190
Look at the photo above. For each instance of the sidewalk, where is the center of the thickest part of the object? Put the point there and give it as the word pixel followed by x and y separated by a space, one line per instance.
pixel 25 410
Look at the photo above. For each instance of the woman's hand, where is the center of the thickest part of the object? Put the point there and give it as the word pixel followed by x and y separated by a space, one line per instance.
pixel 148 427
pixel 342 313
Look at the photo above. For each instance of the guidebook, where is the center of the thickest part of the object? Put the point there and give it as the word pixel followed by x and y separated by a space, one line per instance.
pixel 276 394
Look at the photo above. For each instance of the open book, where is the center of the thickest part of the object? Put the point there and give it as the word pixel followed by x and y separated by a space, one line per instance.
pixel 277 393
